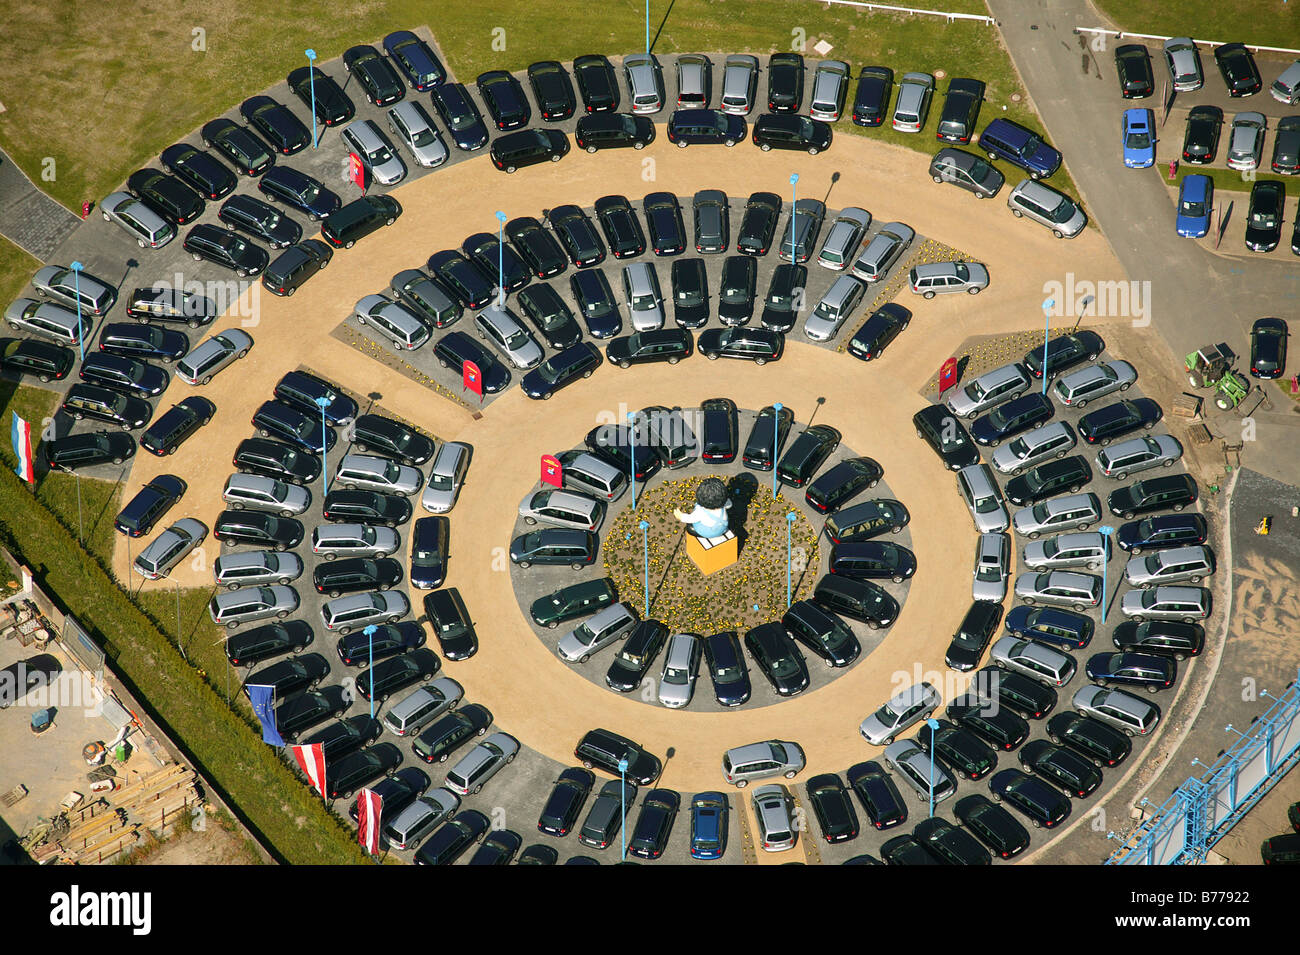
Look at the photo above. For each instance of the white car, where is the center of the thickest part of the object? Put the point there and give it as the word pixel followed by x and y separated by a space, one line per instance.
pixel 414 129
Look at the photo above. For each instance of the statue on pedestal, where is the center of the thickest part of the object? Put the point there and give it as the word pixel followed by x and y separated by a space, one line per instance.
pixel 709 518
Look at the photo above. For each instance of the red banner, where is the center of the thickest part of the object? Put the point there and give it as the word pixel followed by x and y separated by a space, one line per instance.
pixel 948 375
pixel 370 807
pixel 356 171
pixel 472 378
pixel 312 760
pixel 552 471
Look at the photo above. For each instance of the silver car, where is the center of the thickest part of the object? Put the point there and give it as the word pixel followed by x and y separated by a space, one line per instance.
pixel 989 389
pixel 446 477
pixel 1091 551
pixel 69 287
pixel 645 300
pixel 372 473
pixel 1124 711
pixel 1184 64
pixel 256 603
pixel 500 326
pixel 1047 207
pixel 148 228
pixel 256 568
pixel 843 239
pixel 207 358
pixel 773 757
pixel 829 90
pixel 563 509
pixel 1188 604
pixel 884 249
pixel 596 632
pixel 1246 142
pixel 259 493
pixel 1095 381
pixel 1170 566
pixel 1138 454
pixel 364 139
pixel 482 763
pixel 739 83
pixel 834 309
pixel 681 667
pixel 1061 588
pixel 1068 512
pixel 992 568
pixel 976 485
pixel 357 611
pixel 940 278
pixel 899 712
pixel 1034 660
pixel 397 322
pixel 48 320
pixel 645 82
pixel 918 770
pixel 1034 447
pixel 414 823
pixel 415 130
pixel 167 549
pixel 774 809
pixel 353 540
pixel 912 104
pixel 694 79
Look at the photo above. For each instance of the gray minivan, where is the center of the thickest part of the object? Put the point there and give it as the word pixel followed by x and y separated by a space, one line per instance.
pixel 597 632
pixel 883 251
pixel 426 704
pixel 587 473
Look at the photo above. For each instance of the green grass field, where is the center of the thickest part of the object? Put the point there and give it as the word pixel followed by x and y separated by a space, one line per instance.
pixel 1254 22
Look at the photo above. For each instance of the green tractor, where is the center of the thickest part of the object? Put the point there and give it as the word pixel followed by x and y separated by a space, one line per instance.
pixel 1211 367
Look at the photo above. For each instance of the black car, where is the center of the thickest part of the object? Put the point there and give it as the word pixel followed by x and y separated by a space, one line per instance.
pixel 785 82
pixel 248 154
pixel 766 437
pixel 943 432
pixel 604 750
pixel 132 340
pixel 1061 767
pixel 497 261
pixel 413 57
pixel 992 825
pixel 621 226
pixel 905 850
pixel 528 147
pixel 690 293
pixel 1064 352
pixel 758 225
pixel 965 754
pixel 348 224
pixel 106 404
pixel 505 99
pixel 654 824
pixel 564 805
pixel 257 528
pixel 1017 692
pixel 396 673
pixel 290 676
pixel 177 423
pixel 875 84
pixel 305 710
pixel 277 125
pixel 149 504
pixel 597 83
pixel 44 360
pixel 537 247
pixel 961 110
pixel 256 218
pixel 727 670
pixel 450 840
pixel 225 248
pixel 1105 424
pixel 613 131
pixel 576 361
pixel 778 658
pixel 711 211
pixel 1268 348
pixel 833 808
pixel 822 632
pixel 376 76
pixel 736 290
pixel 166 195
pixel 1020 414
pixel 878 794
pixel 810 449
pixel 553 90
pixel 578 235
pixel 1237 64
pixel 973 635
pixel 389 640
pixel 663 216
pixel 550 316
pixel 773 131
pixel 276 459
pixel 878 331
pixel 538 854
pixel 498 848
pixel 354 574
pixel 198 170
pixel 784 298
pixel 720 432
pixel 1264 215
pixel 1046 807
pixel 318 91
pixel 706 127
pixel 451 624
pixel 345 776
pixel 430 540
pixel 380 435
pixel 951 844
pixel 1201 139
pixel 271 640
pixel 866 520
pixel 463 120
pixel 395 793
pixel 456 348
pixel 299 191
pixel 842 483
pixel 998 727
pixel 1053 626
pixel 466 282
pixel 751 344
pixel 299 427
pixel 1050 478
pixel 666 344
pixel 1167 492
pixel 1286 150
pixel 1151 673
pixel 126 374
pixel 635 655
pixel 1162 637
pixel 1133 63
pixel 345 736
pixel 451 730
pixel 1091 738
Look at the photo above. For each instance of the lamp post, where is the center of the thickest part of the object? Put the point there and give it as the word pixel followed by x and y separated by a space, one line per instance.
pixel 645 540
pixel 934 725
pixel 1047 331
pixel 321 402
pixel 647 27
pixel 794 210
pixel 776 435
pixel 789 529
pixel 311 79
pixel 1106 531
pixel 76 280
pixel 501 259
pixel 622 806
pixel 370 633
pixel 631 442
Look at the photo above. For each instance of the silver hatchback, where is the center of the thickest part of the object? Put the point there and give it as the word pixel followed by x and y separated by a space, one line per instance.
pixel 166 550
pixel 260 493
pixel 372 147
pixel 992 568
pixel 1047 207
pixel 446 477
pixel 843 239
pixel 148 228
pixel 681 667
pixel 774 809
pixel 739 83
pixel 1091 551
pixel 645 82
pixel 211 356
pixel 913 102
pixel 1246 142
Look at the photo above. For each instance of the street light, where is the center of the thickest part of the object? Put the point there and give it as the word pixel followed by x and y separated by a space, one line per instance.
pixel 789 529
pixel 622 805
pixel 370 632
pixel 81 332
pixel 631 441
pixel 1106 531
pixel 647 27
pixel 311 79
pixel 794 210
pixel 1048 303
pixel 934 725
pixel 776 436
pixel 321 402
pixel 501 259
pixel 645 540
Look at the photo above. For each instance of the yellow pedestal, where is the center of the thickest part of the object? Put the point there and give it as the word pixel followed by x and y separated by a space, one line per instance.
pixel 710 560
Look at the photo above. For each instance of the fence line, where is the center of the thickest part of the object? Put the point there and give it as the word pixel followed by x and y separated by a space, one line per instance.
pixel 912 11
pixel 1121 34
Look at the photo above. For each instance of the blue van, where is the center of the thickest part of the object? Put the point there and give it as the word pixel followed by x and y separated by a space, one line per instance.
pixel 1003 139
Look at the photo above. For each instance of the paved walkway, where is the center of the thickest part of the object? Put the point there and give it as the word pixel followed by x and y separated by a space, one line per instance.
pixel 28 217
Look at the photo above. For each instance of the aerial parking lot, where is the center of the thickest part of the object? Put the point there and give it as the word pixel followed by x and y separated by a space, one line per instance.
pixel 819 448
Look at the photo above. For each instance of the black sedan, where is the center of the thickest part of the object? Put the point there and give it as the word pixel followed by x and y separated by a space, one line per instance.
pixel 666 344
pixel 1133 63
pixel 198 170
pixel 248 154
pixel 778 658
pixel 165 195
pixel 376 76
pixel 1050 478
pixel 366 507
pixel 752 344
pixel 538 248
pixel 992 825
pixel 878 794
pixel 737 289
pixel 842 483
pixel 597 83
pixel 257 528
pixel 576 362
pixel 1015 416
pixel 277 125
pixel 1105 424
pixel 1268 348
pixel 566 800
pixel 461 117
pixel 1264 216
pixel 375 433
pixel 1151 673
pixel 1237 64
pixel 318 91
pixel 663 216
pixel 225 248
pixel 126 374
pixel 1201 139
pixel 833 808
pixel 505 99
pixel 878 331
pixel 553 90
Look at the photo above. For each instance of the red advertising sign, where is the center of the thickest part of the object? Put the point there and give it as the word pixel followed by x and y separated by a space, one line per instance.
pixel 356 171
pixel 552 471
pixel 472 378
pixel 947 375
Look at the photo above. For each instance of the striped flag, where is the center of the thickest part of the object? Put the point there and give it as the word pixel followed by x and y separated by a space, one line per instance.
pixel 263 700
pixel 370 807
pixel 22 438
pixel 312 760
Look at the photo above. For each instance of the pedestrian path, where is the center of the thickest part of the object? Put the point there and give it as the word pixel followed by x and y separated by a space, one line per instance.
pixel 28 217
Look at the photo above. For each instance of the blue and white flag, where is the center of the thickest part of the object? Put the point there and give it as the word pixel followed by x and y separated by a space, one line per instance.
pixel 263 700
pixel 22 438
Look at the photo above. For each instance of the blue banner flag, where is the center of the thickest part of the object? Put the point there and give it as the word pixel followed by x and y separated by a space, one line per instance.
pixel 263 700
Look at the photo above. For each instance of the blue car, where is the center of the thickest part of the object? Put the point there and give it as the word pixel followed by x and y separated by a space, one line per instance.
pixel 415 60
pixel 1195 202
pixel 709 813
pixel 298 190
pixel 1139 138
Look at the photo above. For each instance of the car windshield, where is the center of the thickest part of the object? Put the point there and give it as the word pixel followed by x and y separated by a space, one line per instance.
pixel 980 170
pixel 440 482
pixel 1138 140
pixel 1030 147
pixel 1263 218
pixel 1063 212
pixel 1189 208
